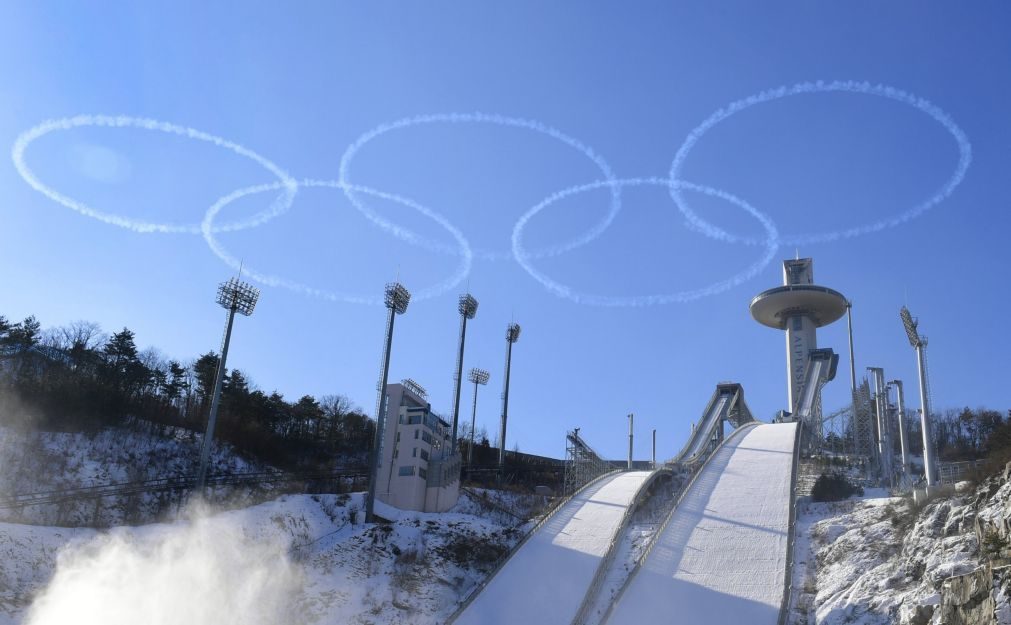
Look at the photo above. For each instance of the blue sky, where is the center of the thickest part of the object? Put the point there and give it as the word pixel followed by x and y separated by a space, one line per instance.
pixel 297 83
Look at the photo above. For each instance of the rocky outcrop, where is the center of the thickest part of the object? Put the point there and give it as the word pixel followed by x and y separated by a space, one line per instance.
pixel 968 599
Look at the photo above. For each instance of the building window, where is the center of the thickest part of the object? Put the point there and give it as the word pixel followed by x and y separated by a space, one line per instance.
pixel 414 452
pixel 423 474
pixel 416 432
pixel 406 470
pixel 398 437
pixel 424 455
pixel 425 436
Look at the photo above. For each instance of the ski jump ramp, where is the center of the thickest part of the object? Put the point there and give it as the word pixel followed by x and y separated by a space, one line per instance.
pixel 722 556
pixel 546 579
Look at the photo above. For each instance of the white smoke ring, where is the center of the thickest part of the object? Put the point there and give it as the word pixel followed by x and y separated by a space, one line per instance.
pixel 927 107
pixel 521 255
pixel 464 251
pixel 482 118
pixel 284 201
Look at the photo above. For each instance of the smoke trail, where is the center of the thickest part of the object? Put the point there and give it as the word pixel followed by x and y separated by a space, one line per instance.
pixel 463 250
pixel 203 572
pixel 67 123
pixel 482 118
pixel 771 243
pixel 891 93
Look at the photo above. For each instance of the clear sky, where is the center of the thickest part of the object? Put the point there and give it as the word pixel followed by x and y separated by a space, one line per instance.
pixel 297 83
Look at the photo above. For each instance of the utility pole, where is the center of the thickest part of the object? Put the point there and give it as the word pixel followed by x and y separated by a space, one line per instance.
pixel 631 420
pixel 512 335
pixel 467 308
pixel 396 300
pixel 234 296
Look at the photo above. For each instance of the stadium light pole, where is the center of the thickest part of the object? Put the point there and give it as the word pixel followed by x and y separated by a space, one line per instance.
pixel 919 343
pixel 478 377
pixel 512 335
pixel 396 299
pixel 467 308
pixel 234 296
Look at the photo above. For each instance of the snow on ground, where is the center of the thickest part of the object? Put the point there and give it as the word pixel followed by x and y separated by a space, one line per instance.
pixel 878 560
pixel 300 559
pixel 722 557
pixel 546 580
pixel 34 462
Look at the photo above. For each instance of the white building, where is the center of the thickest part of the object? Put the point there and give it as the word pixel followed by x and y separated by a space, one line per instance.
pixel 416 469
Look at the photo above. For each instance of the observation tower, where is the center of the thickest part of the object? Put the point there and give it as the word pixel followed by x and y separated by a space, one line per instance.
pixel 800 307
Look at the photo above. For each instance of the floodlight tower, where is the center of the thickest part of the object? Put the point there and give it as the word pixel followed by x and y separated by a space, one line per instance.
pixel 799 307
pixel 903 439
pixel 512 335
pixel 234 296
pixel 396 300
pixel 478 377
pixel 467 308
pixel 919 343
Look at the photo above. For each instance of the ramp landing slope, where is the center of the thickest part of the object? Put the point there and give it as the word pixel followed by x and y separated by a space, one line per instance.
pixel 546 579
pixel 722 557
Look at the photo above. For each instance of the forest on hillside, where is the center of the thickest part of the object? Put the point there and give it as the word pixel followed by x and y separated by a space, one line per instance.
pixel 77 378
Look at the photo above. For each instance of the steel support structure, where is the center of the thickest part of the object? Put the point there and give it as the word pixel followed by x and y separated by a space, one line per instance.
pixel 885 452
pixel 582 463
pixel 900 405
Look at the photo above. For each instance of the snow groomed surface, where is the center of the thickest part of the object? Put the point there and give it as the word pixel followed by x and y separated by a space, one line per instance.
pixel 546 579
pixel 722 557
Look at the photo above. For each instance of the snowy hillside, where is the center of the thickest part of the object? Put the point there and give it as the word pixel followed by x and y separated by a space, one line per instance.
pixel 880 560
pixel 34 462
pixel 300 559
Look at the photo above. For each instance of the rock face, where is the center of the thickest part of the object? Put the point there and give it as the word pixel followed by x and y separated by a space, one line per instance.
pixel 969 599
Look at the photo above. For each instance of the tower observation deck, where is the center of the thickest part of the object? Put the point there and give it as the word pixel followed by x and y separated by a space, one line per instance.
pixel 799 307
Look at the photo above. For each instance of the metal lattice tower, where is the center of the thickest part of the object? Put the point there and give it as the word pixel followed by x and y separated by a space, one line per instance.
pixel 234 296
pixel 863 425
pixel 396 299
pixel 582 463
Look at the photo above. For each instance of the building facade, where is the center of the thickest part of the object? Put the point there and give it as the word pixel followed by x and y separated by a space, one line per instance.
pixel 417 470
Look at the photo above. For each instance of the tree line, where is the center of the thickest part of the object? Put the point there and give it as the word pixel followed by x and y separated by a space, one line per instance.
pixel 78 378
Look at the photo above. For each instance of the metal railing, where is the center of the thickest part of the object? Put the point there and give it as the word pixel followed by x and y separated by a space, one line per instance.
pixel 791 538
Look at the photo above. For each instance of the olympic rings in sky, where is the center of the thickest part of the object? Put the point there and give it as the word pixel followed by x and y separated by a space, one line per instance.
pixel 207 228
pixel 26 138
pixel 884 91
pixel 288 186
pixel 495 120
pixel 561 290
